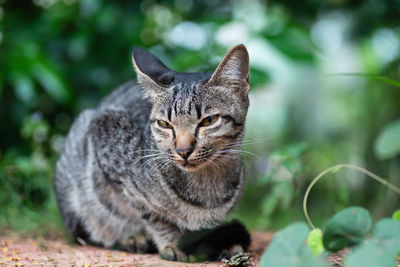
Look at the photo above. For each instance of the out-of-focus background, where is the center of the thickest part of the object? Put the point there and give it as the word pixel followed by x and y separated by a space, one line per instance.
pixel 58 57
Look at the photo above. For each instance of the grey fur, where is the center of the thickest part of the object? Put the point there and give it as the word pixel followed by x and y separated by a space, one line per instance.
pixel 120 174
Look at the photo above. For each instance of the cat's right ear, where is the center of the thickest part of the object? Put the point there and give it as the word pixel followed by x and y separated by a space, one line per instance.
pixel 232 73
pixel 152 74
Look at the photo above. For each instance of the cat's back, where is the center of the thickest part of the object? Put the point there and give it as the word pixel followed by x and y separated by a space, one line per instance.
pixel 127 99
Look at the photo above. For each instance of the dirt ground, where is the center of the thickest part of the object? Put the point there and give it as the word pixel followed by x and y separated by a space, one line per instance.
pixel 19 251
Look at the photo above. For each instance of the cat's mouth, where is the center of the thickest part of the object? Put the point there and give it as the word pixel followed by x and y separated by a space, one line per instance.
pixel 189 165
pixel 195 162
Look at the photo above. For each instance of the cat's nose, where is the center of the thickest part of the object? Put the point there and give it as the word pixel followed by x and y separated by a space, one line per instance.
pixel 185 143
pixel 185 153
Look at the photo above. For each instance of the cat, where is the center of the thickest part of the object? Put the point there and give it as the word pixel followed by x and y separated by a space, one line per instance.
pixel 157 159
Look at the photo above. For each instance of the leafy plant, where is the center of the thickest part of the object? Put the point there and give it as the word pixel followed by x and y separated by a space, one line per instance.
pixel 289 249
pixel 296 245
pixel 347 228
pixel 289 246
pixel 379 250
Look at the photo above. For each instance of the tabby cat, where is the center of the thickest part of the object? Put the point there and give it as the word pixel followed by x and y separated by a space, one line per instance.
pixel 157 159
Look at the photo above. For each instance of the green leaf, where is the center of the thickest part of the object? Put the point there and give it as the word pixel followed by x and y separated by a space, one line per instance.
pixel 347 228
pixel 289 249
pixel 51 82
pixel 302 49
pixel 396 215
pixel 280 197
pixel 381 249
pixel 387 229
pixel 371 76
pixel 387 144
pixel 314 241
pixel 290 151
pixel 24 88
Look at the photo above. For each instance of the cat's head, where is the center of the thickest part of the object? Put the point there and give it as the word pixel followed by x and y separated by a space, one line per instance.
pixel 197 118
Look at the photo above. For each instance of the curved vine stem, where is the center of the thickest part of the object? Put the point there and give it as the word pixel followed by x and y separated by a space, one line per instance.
pixel 335 169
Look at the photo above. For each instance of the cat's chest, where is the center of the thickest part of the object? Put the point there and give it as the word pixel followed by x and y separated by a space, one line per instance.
pixel 194 204
pixel 206 192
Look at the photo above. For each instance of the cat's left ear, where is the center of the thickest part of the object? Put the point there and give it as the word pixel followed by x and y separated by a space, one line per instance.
pixel 152 74
pixel 233 71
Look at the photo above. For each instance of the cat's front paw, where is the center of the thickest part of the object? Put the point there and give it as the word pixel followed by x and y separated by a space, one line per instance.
pixel 172 253
pixel 230 252
pixel 139 243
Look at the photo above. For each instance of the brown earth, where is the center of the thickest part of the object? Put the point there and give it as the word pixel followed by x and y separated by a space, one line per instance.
pixel 19 251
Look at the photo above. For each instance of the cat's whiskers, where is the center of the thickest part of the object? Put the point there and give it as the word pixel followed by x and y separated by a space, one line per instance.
pixel 214 165
pixel 147 150
pixel 159 165
pixel 246 142
pixel 236 151
pixel 248 137
pixel 173 158
pixel 165 163
pixel 227 155
pixel 154 158
pixel 144 152
pixel 151 156
pixel 225 158
pixel 240 144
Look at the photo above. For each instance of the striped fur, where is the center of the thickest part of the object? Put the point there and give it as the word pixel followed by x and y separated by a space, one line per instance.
pixel 120 175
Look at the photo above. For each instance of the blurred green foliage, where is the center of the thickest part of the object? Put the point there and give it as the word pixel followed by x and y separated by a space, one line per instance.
pixel 58 57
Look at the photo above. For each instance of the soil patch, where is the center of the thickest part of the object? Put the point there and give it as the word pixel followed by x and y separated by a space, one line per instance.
pixel 19 251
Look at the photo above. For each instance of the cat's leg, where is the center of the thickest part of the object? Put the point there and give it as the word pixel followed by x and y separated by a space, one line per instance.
pixel 166 236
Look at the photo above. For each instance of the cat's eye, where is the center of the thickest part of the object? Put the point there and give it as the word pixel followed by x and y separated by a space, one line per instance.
pixel 164 124
pixel 209 120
